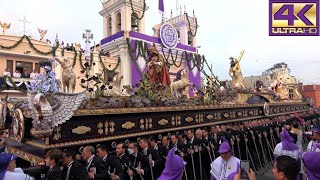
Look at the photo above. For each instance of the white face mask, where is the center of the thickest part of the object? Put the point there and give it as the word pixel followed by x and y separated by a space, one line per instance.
pixel 130 151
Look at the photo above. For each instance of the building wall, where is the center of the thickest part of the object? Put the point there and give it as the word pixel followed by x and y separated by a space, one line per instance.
pixel 312 91
pixel 19 54
pixel 250 81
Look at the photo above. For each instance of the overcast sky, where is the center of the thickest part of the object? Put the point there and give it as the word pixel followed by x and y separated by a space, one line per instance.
pixel 226 27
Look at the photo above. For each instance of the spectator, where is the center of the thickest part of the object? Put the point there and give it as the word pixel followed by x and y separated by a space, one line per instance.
pixel 73 169
pixel 3 139
pixel 68 47
pixel 25 74
pixel 286 146
pixel 9 170
pixel 285 168
pixel 295 130
pixel 113 164
pixel 311 162
pixel 95 166
pixel 315 139
pixel 53 157
pixel 17 74
pixel 72 48
pixel 6 72
pixel 34 74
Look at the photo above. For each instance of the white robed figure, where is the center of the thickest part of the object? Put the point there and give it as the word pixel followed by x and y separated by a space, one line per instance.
pixel 314 144
pixel 8 169
pixel 226 166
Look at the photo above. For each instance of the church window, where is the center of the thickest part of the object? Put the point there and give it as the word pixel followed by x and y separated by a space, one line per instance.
pixel 10 66
pixel 118 21
pixel 109 29
pixel 22 66
pixel 290 93
pixel 134 22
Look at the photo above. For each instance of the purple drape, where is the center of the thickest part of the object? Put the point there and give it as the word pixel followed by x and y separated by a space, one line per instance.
pixel 161 6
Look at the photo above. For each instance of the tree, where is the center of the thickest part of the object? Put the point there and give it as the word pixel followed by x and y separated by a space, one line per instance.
pixel 276 67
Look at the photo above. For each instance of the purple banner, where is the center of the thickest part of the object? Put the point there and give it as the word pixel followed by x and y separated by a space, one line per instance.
pixel 135 76
pixel 161 6
pixel 158 41
pixel 112 37
pixel 195 79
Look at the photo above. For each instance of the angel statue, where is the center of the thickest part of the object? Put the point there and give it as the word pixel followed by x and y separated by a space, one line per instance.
pixel 5 26
pixel 47 115
pixel 235 72
pixel 42 33
pixel 48 106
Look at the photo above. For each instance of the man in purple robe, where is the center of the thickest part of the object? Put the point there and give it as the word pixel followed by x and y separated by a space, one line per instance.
pixel 174 167
pixel 226 166
pixel 286 147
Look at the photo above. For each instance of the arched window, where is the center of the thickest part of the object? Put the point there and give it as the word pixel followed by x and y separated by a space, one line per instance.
pixel 118 21
pixel 134 22
pixel 190 38
pixel 109 25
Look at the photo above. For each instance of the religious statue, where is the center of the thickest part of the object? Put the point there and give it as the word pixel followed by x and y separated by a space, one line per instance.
pixel 116 87
pixel 5 26
pixel 181 85
pixel 283 83
pixel 68 76
pixel 235 72
pixel 42 33
pixel 158 72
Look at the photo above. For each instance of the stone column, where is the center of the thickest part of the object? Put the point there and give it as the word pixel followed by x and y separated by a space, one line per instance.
pixel 125 66
pixel 113 23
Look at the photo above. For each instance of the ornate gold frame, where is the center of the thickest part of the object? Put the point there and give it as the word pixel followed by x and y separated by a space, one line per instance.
pixel 84 112
pixel 144 133
pixel 26 156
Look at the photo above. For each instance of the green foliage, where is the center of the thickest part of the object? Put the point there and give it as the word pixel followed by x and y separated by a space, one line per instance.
pixel 276 67
pixel 152 91
pixel 144 9
pixel 92 84
pixel 53 51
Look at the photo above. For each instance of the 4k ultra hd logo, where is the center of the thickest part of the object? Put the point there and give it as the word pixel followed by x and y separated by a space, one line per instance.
pixel 294 18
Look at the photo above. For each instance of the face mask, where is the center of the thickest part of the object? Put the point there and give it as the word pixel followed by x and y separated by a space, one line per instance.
pixel 130 151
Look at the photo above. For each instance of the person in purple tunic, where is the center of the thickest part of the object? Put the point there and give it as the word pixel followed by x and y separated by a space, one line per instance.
pixel 226 166
pixel 286 147
pixel 173 168
pixel 311 161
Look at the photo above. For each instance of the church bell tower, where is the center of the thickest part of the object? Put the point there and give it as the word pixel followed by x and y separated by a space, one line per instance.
pixel 186 27
pixel 123 15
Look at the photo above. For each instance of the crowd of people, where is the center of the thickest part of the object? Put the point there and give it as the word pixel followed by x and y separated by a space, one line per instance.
pixel 17 74
pixel 210 153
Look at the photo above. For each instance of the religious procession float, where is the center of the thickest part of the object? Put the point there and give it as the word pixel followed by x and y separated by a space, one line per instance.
pixel 154 88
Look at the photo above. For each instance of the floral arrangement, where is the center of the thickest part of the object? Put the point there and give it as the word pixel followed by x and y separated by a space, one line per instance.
pixel 46 82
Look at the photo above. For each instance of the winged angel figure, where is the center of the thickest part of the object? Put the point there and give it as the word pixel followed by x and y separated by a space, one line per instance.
pixel 47 115
pixel 5 26
pixel 48 106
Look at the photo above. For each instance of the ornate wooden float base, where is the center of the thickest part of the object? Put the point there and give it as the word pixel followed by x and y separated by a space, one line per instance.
pixel 96 126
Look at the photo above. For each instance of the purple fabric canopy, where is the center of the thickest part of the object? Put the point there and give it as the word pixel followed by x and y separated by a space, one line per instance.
pixel 287 141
